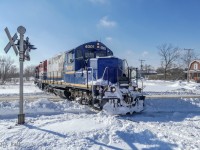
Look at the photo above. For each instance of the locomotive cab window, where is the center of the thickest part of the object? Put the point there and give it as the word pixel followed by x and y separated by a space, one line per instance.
pixel 79 53
pixel 100 53
pixel 70 57
pixel 89 53
pixel 110 53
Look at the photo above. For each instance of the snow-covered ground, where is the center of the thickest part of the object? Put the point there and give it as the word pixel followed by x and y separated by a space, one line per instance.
pixel 170 87
pixel 165 123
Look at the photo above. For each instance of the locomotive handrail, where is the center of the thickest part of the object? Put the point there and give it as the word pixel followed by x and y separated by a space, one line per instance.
pixel 126 62
pixel 104 74
pixel 92 85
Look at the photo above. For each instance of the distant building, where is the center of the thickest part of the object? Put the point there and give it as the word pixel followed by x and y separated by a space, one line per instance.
pixel 146 73
pixel 194 70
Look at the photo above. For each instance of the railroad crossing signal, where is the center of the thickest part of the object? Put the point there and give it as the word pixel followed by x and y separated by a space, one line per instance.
pixel 23 47
pixel 12 42
pixel 27 46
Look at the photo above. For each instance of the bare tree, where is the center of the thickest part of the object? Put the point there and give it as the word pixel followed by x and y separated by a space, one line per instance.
pixel 169 55
pixel 29 72
pixel 7 65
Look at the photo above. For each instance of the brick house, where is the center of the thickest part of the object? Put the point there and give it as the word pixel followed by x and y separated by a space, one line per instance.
pixel 194 70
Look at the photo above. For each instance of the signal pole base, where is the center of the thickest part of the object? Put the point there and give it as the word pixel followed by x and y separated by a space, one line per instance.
pixel 21 118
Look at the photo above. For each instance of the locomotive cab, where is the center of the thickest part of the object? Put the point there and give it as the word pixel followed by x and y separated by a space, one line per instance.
pixel 85 52
pixel 78 61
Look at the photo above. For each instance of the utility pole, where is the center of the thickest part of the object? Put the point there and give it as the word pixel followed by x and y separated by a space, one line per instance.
pixel 2 70
pixel 188 62
pixel 136 70
pixel 23 48
pixel 141 67
pixel 21 117
pixel 141 62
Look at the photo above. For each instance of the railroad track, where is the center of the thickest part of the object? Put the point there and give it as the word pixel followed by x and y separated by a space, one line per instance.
pixel 171 96
pixel 30 97
pixel 36 96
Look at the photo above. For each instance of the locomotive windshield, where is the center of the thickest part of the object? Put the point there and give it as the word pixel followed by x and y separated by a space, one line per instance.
pixel 89 53
pixel 79 53
pixel 92 50
pixel 100 53
pixel 110 53
pixel 92 53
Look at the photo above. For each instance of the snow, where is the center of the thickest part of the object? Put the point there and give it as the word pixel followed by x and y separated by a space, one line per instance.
pixel 170 87
pixel 166 123
pixel 14 88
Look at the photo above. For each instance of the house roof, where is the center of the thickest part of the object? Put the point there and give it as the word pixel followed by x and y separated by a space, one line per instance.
pixel 194 61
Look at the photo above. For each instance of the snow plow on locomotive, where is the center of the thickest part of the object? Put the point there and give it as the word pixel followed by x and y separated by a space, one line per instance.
pixel 91 75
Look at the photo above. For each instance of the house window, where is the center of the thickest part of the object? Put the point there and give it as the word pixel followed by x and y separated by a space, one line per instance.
pixel 196 66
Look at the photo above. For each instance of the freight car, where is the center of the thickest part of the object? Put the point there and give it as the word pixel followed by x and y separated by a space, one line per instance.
pixel 91 75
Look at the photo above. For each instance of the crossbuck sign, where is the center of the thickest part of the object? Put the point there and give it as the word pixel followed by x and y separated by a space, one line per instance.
pixel 23 48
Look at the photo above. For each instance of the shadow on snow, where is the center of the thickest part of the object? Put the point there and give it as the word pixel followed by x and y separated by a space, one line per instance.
pixel 45 130
pixel 143 140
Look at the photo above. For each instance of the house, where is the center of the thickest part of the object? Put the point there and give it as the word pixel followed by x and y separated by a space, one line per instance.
pixel 194 70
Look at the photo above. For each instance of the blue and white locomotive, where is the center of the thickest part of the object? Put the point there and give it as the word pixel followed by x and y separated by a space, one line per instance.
pixel 91 75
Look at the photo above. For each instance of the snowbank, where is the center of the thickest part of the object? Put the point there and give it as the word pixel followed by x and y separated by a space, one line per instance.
pixel 165 124
pixel 14 88
pixel 170 87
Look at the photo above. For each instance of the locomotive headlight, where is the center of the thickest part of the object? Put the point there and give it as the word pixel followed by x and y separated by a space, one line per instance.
pixel 113 89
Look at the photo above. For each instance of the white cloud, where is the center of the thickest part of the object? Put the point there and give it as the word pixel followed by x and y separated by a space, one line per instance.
pixel 145 53
pixel 109 39
pixel 105 22
pixel 98 1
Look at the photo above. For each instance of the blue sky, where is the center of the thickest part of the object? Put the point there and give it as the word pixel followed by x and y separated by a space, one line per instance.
pixel 131 28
